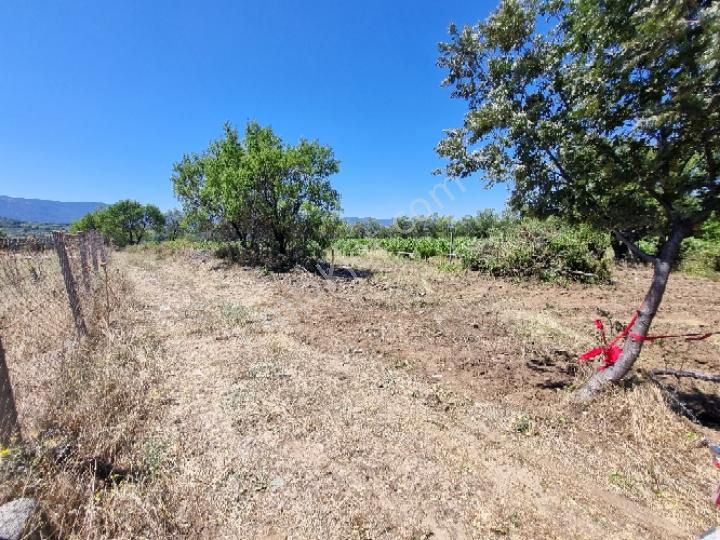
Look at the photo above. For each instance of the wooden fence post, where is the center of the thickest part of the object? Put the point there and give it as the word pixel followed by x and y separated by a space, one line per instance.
pixel 101 248
pixel 84 262
pixel 59 241
pixel 93 249
pixel 8 412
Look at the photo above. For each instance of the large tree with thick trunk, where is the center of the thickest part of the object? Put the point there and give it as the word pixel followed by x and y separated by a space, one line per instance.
pixel 599 111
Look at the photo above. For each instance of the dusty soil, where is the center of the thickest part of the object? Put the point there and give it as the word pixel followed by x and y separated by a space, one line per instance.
pixel 409 402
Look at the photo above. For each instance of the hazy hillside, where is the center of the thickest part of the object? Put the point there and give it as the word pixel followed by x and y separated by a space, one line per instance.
pixel 384 222
pixel 41 211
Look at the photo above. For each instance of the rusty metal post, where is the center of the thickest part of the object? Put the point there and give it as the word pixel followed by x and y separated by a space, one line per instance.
pixel 59 241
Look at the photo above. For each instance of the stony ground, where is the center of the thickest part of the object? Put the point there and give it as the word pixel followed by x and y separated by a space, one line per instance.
pixel 409 402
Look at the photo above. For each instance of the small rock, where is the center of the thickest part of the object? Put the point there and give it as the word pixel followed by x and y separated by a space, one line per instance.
pixel 712 534
pixel 16 520
pixel 277 483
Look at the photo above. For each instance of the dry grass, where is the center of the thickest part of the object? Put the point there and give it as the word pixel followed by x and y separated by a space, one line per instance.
pixel 414 403
pixel 409 403
pixel 86 406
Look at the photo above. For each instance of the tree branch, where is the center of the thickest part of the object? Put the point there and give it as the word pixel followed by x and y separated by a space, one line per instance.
pixel 556 161
pixel 662 201
pixel 685 373
pixel 634 249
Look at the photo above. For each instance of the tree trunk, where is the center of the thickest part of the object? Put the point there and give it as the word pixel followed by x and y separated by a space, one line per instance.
pixel 281 242
pixel 238 232
pixel 646 314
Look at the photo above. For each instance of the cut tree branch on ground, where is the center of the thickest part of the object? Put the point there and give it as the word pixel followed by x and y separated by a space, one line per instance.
pixel 686 373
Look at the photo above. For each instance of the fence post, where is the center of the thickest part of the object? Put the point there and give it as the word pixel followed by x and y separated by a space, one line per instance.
pixel 59 241
pixel 101 248
pixel 84 262
pixel 8 412
pixel 93 249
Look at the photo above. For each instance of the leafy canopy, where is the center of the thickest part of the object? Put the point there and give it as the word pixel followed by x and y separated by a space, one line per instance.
pixel 125 222
pixel 599 111
pixel 275 198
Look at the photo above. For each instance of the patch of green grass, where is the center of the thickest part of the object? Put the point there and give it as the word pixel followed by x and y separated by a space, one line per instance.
pixel 618 479
pixel 154 455
pixel 522 424
pixel 235 315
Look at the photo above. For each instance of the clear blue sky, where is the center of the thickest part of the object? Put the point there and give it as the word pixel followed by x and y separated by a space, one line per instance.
pixel 99 98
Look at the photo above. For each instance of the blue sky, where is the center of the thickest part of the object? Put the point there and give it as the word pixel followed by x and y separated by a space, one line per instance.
pixel 99 98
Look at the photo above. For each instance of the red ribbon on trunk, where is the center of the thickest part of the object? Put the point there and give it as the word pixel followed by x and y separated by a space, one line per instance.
pixel 611 351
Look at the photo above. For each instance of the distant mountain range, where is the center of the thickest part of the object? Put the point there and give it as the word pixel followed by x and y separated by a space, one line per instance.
pixel 40 211
pixel 382 221
pixel 63 213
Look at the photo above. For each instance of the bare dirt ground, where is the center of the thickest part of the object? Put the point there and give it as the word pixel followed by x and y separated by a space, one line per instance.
pixel 416 403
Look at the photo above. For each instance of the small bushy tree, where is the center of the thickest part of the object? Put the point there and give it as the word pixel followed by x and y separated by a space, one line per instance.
pixel 602 112
pixel 276 198
pixel 125 222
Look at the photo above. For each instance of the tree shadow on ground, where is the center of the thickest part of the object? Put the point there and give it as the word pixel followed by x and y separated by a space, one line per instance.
pixel 340 272
pixel 697 405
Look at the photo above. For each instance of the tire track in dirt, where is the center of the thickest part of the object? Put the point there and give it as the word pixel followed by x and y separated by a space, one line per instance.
pixel 274 438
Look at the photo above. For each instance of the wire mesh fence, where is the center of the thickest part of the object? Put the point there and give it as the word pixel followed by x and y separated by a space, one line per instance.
pixel 52 294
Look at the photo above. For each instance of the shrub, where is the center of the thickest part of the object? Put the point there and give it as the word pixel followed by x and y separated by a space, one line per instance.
pixel 700 256
pixel 545 249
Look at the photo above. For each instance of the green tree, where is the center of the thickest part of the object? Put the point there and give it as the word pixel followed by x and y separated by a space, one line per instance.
pixel 373 228
pixel 275 197
pixel 598 111
pixel 125 222
pixel 89 222
pixel 174 224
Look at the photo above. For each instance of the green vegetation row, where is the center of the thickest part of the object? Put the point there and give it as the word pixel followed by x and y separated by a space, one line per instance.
pixel 548 250
pixel 507 245
pixel 15 228
pixel 433 226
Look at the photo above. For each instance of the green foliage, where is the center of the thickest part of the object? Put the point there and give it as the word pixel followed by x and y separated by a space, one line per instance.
pixel 14 228
pixel 125 222
pixel 175 225
pixel 480 225
pixel 354 247
pixel 700 254
pixel 597 112
pixel 398 245
pixel 364 228
pixel 700 257
pixel 545 249
pixel 548 250
pixel 433 226
pixel 89 222
pixel 522 424
pixel 275 199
